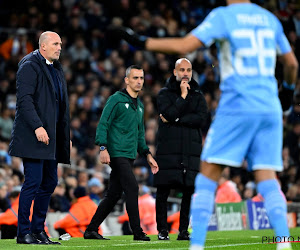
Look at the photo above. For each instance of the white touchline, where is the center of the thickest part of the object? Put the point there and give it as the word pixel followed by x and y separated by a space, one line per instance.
pixel 233 245
pixel 217 246
pixel 61 246
pixel 143 243
pixel 126 244
pixel 158 242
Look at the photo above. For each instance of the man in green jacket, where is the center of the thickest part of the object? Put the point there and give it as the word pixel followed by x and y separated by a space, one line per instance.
pixel 120 135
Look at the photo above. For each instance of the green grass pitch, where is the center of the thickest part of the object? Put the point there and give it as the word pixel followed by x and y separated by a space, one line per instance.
pixel 247 239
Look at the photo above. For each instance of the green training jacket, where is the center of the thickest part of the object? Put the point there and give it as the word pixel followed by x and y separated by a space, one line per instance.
pixel 121 127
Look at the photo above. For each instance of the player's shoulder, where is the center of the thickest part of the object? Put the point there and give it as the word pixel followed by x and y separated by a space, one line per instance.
pixel 218 11
pixel 273 20
pixel 272 16
pixel 264 11
pixel 255 12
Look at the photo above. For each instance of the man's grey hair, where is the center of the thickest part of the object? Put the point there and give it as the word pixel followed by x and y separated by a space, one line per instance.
pixel 180 60
pixel 128 70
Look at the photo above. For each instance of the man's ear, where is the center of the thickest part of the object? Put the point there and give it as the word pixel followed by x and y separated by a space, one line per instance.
pixel 175 72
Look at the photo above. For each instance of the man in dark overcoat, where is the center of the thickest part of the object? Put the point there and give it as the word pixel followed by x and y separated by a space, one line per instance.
pixel 183 112
pixel 41 133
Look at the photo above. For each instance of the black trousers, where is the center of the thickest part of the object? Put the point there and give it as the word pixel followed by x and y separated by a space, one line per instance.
pixel 162 194
pixel 121 179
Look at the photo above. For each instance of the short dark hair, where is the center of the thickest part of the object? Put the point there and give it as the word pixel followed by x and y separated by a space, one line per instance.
pixel 14 194
pixel 132 67
pixel 80 191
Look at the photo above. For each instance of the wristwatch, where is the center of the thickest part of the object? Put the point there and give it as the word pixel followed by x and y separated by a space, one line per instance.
pixel 102 148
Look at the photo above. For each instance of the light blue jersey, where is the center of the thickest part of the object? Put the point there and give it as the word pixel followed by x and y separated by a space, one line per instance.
pixel 248 121
pixel 248 38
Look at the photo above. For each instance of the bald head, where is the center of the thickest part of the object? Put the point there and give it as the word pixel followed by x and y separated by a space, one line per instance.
pixel 180 60
pixel 45 36
pixel 183 70
pixel 50 45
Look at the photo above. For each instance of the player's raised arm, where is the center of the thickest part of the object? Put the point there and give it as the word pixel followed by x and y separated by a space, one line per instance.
pixel 179 45
pixel 182 45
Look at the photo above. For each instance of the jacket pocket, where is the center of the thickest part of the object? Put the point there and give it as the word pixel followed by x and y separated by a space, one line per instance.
pixel 125 144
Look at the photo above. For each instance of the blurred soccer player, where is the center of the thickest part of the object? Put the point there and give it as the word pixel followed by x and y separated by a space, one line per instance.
pixel 248 122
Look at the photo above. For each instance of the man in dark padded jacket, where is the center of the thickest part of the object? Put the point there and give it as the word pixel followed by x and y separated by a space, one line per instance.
pixel 183 112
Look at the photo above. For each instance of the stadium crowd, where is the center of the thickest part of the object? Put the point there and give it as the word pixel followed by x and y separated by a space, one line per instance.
pixel 94 67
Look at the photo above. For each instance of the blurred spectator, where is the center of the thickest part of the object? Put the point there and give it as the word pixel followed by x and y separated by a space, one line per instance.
pixel 258 198
pixel 79 51
pixel 79 216
pixel 75 26
pixel 4 202
pixel 174 220
pixel 3 175
pixel 83 177
pixel 4 156
pixel 294 112
pixel 16 46
pixel 6 125
pixel 292 141
pixel 9 219
pixel 95 18
pixel 249 191
pixel 78 134
pixel 141 172
pixel 4 90
pixel 71 184
pixel 59 201
pixel 95 189
pixel 227 190
pixel 293 193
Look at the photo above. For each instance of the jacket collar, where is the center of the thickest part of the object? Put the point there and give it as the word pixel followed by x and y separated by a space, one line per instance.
pixel 45 61
pixel 126 92
pixel 42 62
pixel 123 93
